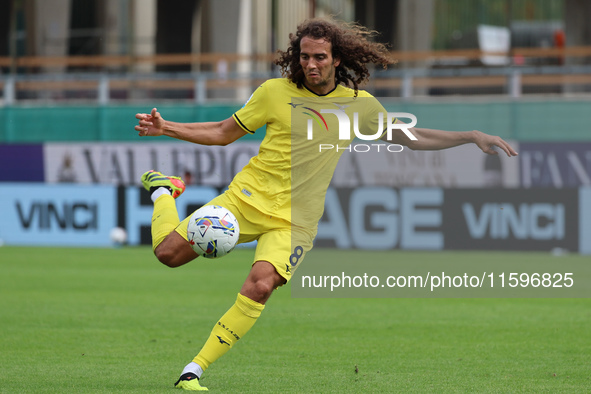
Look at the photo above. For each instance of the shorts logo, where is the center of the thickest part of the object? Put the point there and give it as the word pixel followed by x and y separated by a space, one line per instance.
pixel 246 192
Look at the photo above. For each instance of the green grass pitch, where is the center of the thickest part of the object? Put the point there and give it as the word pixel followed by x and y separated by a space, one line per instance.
pixel 115 320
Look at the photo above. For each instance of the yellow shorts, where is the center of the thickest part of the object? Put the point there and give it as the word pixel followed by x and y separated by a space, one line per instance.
pixel 279 243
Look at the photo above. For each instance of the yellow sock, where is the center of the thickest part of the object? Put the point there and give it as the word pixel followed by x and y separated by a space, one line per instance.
pixel 164 218
pixel 229 329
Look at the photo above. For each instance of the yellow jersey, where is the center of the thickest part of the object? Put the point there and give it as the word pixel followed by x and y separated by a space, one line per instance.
pixel 305 137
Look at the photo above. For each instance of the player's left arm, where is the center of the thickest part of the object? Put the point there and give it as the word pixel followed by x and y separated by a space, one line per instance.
pixel 430 139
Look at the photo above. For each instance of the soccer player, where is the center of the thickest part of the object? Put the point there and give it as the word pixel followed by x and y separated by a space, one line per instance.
pixel 288 175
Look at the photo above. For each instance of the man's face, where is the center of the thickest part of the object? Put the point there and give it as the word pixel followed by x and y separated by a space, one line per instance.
pixel 318 64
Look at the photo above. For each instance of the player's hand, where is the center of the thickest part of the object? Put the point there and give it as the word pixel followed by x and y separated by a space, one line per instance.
pixel 487 143
pixel 151 124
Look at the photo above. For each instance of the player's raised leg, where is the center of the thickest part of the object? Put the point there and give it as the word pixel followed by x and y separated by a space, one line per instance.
pixel 170 247
pixel 235 323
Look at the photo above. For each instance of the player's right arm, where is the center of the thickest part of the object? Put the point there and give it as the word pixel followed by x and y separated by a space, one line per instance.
pixel 202 133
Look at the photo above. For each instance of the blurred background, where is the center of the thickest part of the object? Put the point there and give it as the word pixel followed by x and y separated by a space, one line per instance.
pixel 205 50
pixel 75 72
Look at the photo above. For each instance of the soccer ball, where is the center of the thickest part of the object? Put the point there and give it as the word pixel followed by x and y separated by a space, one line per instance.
pixel 212 231
pixel 118 236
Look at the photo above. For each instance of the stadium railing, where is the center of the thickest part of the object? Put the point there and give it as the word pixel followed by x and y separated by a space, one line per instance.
pixel 218 77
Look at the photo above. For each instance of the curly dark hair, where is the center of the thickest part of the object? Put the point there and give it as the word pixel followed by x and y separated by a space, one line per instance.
pixel 350 43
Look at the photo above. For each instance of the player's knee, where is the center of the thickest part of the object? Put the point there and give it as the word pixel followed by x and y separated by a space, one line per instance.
pixel 262 289
pixel 166 256
pixel 261 282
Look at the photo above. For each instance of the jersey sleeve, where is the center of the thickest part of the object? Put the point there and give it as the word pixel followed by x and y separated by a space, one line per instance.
pixel 373 112
pixel 254 114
